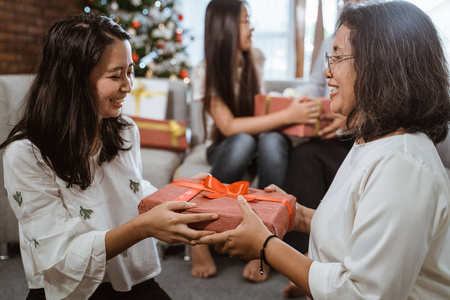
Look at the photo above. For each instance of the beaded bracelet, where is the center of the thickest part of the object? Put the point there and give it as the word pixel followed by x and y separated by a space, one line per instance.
pixel 262 255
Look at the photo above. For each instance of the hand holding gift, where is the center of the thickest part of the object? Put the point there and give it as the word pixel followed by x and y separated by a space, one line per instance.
pixel 165 223
pixel 306 114
pixel 245 241
pixel 277 210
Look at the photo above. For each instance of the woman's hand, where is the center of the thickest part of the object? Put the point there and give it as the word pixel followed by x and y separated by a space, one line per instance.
pixel 272 188
pixel 165 223
pixel 330 132
pixel 302 111
pixel 245 241
pixel 200 176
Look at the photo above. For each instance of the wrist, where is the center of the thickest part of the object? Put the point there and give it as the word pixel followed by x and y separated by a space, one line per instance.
pixel 139 227
pixel 262 253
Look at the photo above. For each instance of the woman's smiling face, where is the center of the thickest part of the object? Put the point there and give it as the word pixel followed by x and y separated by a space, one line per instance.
pixel 342 75
pixel 112 78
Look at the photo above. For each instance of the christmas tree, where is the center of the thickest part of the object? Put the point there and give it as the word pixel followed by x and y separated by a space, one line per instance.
pixel 157 41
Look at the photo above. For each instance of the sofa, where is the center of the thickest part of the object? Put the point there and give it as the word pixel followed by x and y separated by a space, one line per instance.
pixel 159 166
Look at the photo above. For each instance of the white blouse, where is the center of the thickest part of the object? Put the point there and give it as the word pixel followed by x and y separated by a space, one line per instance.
pixel 382 229
pixel 62 230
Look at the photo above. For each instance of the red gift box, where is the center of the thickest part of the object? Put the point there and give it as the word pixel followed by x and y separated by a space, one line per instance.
pixel 162 134
pixel 265 104
pixel 276 210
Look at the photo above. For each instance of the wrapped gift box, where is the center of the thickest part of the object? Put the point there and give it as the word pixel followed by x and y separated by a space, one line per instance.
pixel 265 104
pixel 148 99
pixel 167 134
pixel 276 210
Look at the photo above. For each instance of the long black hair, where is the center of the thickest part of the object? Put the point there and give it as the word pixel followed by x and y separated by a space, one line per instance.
pixel 402 77
pixel 222 36
pixel 60 116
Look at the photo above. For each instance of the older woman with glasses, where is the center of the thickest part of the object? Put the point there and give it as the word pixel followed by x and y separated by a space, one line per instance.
pixel 382 229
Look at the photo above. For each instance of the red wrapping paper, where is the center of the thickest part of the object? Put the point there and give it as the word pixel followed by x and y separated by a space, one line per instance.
pixel 265 104
pixel 273 214
pixel 162 134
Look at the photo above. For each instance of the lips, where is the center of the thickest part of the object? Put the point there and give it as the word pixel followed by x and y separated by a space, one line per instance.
pixel 117 101
pixel 334 90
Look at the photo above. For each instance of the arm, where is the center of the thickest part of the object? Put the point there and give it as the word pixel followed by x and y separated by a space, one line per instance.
pixel 228 124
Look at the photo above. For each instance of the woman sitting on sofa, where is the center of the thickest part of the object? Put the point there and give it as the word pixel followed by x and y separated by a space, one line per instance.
pixel 227 81
pixel 73 173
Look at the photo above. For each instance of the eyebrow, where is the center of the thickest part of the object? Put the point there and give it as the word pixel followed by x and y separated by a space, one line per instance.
pixel 119 68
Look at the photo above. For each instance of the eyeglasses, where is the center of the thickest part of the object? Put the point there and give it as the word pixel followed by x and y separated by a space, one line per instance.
pixel 246 22
pixel 334 59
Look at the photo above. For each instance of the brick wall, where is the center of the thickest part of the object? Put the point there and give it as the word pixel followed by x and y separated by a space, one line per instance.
pixel 22 26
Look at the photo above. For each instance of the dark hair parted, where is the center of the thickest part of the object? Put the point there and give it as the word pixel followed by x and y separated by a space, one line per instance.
pixel 222 49
pixel 60 117
pixel 402 78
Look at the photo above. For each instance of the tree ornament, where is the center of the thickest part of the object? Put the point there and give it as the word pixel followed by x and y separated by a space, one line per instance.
pixel 135 57
pixel 184 73
pixel 160 44
pixel 136 24
pixel 180 17
pixel 178 38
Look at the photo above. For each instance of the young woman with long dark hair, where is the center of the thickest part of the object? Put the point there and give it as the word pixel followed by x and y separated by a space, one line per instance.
pixel 227 81
pixel 382 231
pixel 73 173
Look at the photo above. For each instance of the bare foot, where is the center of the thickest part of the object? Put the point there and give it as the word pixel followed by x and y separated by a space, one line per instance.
pixel 252 273
pixel 292 291
pixel 203 265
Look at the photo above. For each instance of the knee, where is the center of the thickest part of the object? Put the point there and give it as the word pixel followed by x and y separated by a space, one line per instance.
pixel 273 141
pixel 242 141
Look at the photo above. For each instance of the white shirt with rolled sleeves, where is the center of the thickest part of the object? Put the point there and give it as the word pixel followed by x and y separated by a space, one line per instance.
pixel 62 230
pixel 382 229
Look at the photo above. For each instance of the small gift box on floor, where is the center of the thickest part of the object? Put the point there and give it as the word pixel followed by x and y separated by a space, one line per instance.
pixel 276 210
pixel 167 134
pixel 265 104
pixel 148 99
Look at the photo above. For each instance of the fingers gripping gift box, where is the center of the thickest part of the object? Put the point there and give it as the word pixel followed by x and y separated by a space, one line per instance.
pixel 166 134
pixel 265 104
pixel 276 210
pixel 148 99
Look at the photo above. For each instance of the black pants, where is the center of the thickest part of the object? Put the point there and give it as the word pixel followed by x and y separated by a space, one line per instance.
pixel 149 290
pixel 311 171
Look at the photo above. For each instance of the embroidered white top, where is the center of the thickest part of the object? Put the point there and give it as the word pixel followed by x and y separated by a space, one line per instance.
pixel 62 230
pixel 382 229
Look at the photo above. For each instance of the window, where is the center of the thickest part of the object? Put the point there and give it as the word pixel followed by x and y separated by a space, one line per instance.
pixel 274 29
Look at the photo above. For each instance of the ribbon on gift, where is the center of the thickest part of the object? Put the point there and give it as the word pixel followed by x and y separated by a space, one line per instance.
pixel 267 105
pixel 139 92
pixel 218 189
pixel 176 130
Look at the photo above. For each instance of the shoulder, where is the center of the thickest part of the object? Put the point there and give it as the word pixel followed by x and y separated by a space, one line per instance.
pixel 130 133
pixel 258 56
pixel 22 156
pixel 412 156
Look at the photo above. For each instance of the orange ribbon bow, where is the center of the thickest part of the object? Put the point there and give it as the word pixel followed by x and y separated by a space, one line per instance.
pixel 233 190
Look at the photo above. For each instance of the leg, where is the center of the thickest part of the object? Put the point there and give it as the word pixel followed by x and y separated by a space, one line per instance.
pixel 231 157
pixel 273 157
pixel 203 265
